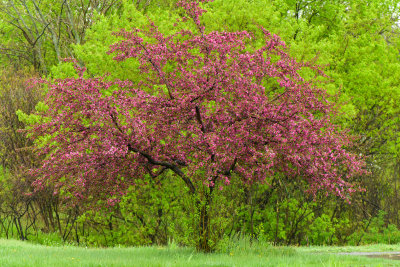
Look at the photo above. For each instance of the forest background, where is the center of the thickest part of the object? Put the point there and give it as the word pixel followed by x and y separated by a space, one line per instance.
pixel 356 42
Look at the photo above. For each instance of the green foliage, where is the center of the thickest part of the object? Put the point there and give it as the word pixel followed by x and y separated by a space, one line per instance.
pixel 93 53
pixel 376 231
pixel 146 215
pixel 322 231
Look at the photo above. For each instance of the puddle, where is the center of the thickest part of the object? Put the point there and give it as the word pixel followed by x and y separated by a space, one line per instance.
pixel 385 255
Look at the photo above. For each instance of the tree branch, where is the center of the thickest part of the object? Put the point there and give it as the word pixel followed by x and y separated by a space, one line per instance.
pixel 198 118
pixel 232 168
pixel 167 165
pixel 158 70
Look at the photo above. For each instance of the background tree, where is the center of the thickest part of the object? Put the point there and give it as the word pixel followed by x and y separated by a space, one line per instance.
pixel 42 32
pixel 16 155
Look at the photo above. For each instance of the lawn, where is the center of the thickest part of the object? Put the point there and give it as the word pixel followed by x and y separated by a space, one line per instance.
pixel 16 253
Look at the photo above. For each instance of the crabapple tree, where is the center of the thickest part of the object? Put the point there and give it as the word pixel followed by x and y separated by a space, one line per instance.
pixel 209 105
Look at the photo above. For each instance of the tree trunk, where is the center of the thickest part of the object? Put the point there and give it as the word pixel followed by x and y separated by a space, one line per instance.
pixel 204 224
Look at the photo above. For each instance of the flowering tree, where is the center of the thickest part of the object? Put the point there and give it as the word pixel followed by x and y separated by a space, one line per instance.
pixel 208 105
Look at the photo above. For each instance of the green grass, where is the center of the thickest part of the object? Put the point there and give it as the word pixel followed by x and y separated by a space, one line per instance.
pixel 16 253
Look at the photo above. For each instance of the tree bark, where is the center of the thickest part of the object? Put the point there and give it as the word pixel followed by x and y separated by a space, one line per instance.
pixel 204 224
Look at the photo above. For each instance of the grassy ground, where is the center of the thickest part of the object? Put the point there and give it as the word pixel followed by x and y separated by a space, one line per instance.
pixel 16 253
